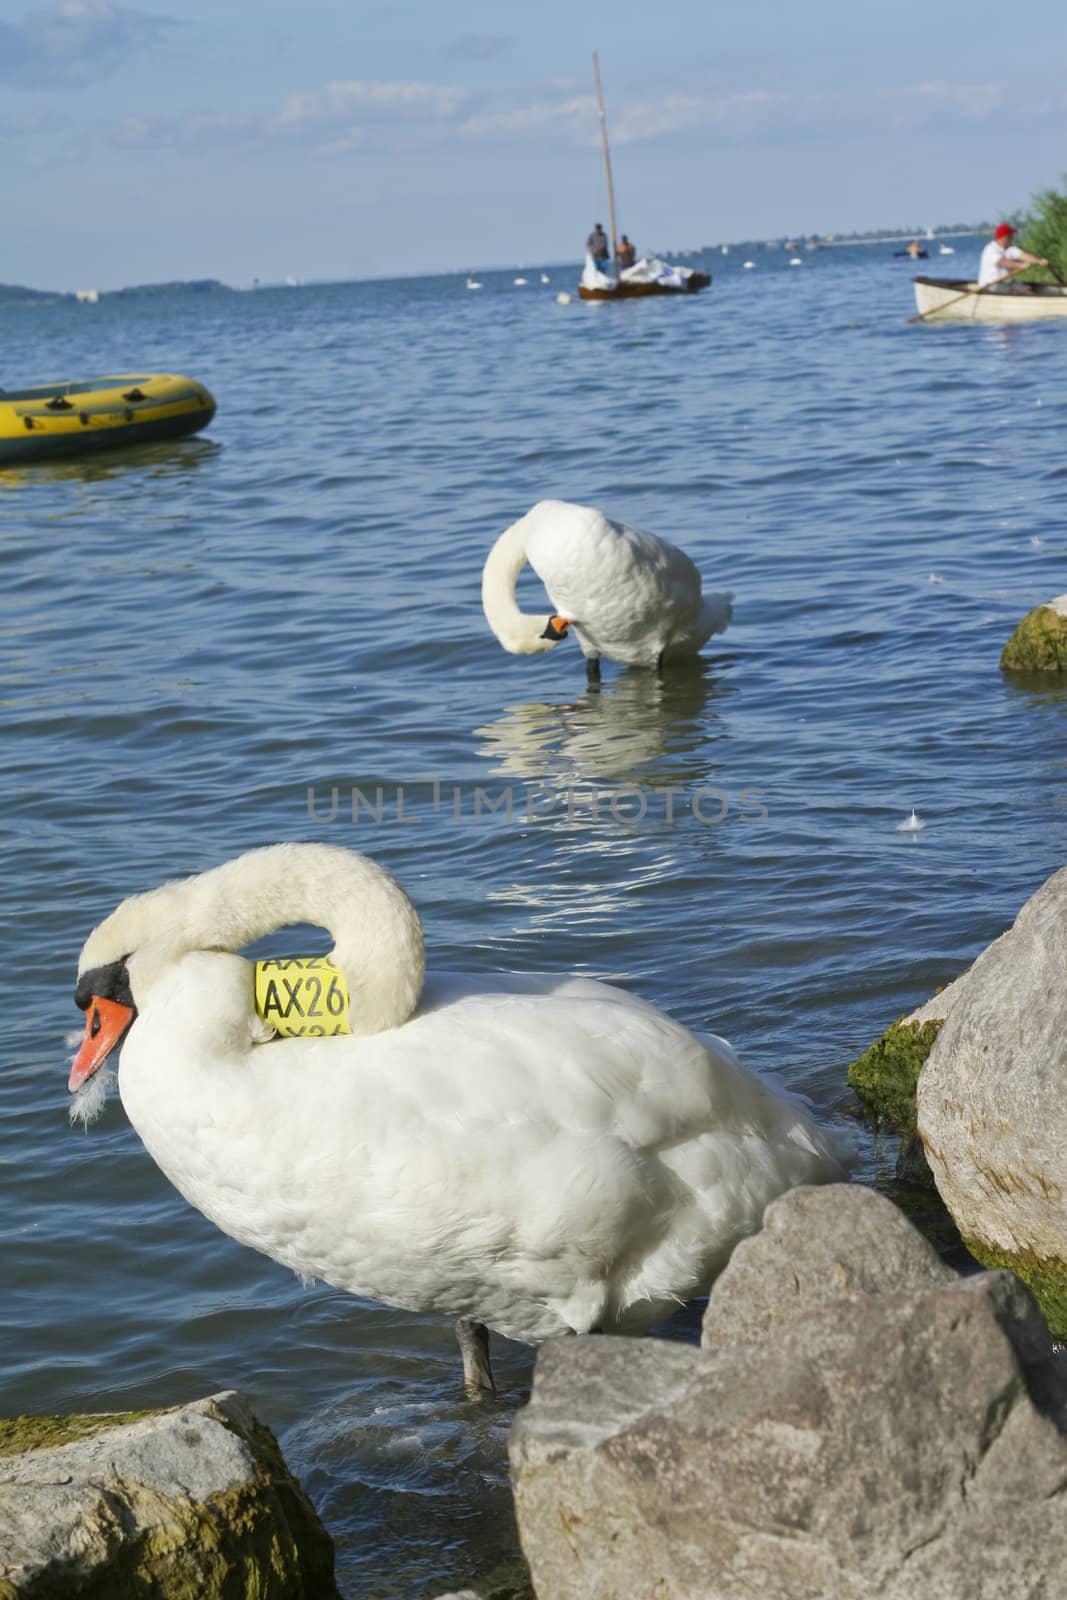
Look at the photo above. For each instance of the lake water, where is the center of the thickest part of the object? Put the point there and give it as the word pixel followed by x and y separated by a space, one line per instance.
pixel 195 634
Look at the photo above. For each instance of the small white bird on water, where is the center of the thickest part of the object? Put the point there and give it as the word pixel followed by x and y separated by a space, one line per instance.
pixel 472 283
pixel 540 1154
pixel 628 595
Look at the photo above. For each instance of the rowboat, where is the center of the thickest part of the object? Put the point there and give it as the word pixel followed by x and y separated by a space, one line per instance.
pixel 961 300
pixel 622 288
pixel 74 419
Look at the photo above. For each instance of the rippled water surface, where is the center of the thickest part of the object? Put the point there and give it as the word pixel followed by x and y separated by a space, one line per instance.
pixel 196 634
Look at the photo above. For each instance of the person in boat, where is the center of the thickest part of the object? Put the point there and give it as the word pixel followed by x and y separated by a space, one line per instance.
pixel 1001 256
pixel 915 249
pixel 625 254
pixel 597 246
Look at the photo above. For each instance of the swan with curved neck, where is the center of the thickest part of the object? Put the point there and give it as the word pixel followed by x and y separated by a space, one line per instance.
pixel 628 595
pixel 539 1155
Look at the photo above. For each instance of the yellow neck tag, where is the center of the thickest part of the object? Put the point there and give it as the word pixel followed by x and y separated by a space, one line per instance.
pixel 302 997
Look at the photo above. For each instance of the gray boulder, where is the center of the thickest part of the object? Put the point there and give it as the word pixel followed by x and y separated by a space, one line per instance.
pixel 190 1501
pixel 882 1431
pixel 816 1245
pixel 992 1101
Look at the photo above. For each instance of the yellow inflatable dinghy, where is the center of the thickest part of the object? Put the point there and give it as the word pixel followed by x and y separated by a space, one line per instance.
pixel 73 419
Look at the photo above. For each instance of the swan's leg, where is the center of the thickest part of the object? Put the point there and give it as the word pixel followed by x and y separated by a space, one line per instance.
pixel 474 1347
pixel 592 669
pixel 659 661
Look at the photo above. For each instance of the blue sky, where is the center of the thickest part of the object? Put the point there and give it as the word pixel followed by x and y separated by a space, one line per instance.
pixel 255 138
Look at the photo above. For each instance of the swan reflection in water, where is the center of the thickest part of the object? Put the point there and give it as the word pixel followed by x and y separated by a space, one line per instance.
pixel 613 732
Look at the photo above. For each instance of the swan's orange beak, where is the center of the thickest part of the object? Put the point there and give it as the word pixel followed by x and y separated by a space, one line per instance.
pixel 106 1021
pixel 557 628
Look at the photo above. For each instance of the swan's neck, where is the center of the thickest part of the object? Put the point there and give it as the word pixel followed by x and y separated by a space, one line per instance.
pixel 378 937
pixel 517 631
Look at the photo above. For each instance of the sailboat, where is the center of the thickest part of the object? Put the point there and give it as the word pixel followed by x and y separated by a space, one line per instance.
pixel 649 275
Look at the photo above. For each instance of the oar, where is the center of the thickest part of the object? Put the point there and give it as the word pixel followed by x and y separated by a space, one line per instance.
pixel 967 292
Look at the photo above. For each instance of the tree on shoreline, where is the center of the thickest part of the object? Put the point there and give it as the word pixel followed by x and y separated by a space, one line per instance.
pixel 1044 229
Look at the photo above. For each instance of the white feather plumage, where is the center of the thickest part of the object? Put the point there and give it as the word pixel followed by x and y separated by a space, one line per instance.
pixel 630 596
pixel 542 1154
pixel 87 1103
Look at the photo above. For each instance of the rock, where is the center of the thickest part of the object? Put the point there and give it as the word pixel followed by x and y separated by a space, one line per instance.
pixel 817 1245
pixel 879 1444
pixel 886 1074
pixel 992 1111
pixel 191 1501
pixel 1039 643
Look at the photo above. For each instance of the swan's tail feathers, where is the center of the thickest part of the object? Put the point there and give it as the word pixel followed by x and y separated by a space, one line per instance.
pixel 844 1144
pixel 716 612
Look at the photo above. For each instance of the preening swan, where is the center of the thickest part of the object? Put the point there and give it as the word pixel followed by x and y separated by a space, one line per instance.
pixel 539 1154
pixel 628 595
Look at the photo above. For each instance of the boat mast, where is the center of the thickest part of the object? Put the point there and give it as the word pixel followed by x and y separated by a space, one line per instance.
pixel 607 158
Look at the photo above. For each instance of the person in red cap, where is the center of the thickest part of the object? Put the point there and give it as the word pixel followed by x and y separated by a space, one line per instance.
pixel 1000 257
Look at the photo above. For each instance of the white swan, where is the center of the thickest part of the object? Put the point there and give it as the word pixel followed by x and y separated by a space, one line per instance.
pixel 628 595
pixel 472 283
pixel 539 1154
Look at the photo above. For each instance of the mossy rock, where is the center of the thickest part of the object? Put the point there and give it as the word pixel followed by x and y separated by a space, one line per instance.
pixel 45 1433
pixel 1039 643
pixel 185 1503
pixel 1046 1280
pixel 885 1076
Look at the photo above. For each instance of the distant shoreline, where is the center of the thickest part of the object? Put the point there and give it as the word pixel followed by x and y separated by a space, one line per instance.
pixel 11 293
pixel 17 294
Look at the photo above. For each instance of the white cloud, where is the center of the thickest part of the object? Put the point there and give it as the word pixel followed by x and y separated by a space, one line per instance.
pixel 343 105
pixel 342 117
pixel 677 113
pixel 756 114
pixel 184 132
pixel 335 119
pixel 75 43
pixel 937 100
pixel 572 118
